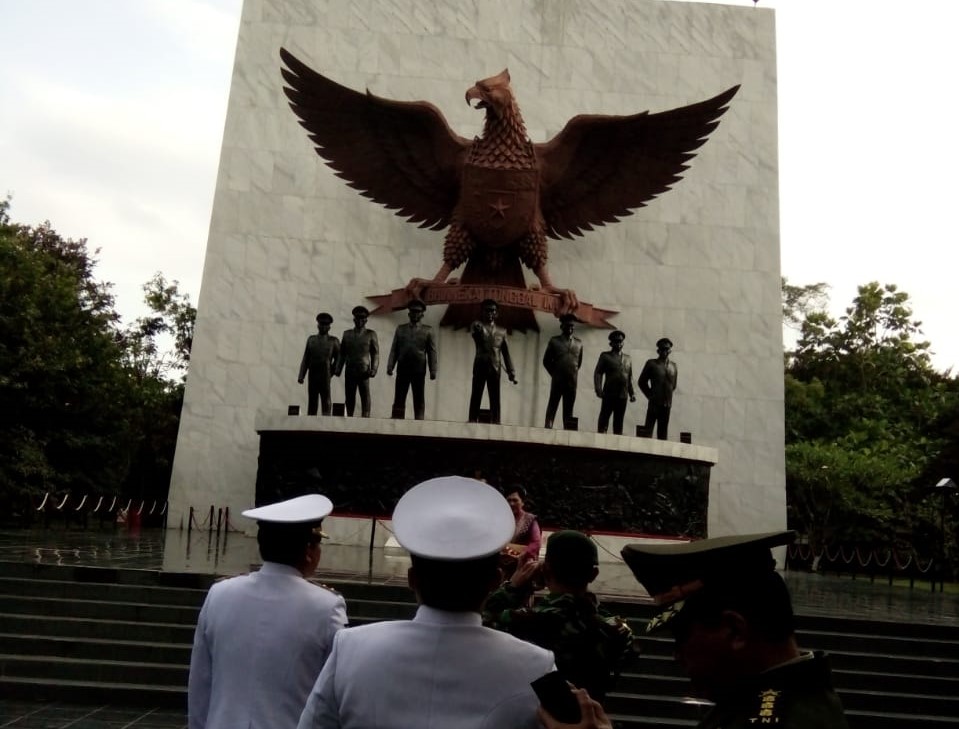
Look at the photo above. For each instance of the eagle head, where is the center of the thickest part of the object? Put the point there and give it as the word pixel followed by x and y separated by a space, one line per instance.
pixel 492 94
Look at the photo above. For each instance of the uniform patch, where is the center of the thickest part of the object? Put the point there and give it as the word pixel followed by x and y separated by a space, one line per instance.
pixel 767 708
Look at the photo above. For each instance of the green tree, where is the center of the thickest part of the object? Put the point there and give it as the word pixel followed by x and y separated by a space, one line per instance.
pixel 800 301
pixel 172 320
pixel 863 412
pixel 63 391
pixel 85 405
pixel 157 378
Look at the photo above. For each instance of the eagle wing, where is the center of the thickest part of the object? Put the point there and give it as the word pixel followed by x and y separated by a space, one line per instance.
pixel 402 155
pixel 600 168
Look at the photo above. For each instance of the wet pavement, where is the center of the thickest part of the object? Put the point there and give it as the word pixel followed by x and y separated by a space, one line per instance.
pixel 231 553
pixel 57 715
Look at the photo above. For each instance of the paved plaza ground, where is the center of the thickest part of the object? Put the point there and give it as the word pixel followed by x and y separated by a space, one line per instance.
pixel 233 553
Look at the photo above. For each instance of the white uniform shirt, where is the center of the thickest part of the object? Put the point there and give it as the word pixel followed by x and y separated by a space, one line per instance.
pixel 441 670
pixel 259 645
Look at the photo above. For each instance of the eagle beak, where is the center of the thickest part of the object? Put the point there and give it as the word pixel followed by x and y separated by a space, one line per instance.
pixel 475 94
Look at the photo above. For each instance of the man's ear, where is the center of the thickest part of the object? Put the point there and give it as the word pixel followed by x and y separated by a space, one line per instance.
pixel 411 580
pixel 736 627
pixel 593 575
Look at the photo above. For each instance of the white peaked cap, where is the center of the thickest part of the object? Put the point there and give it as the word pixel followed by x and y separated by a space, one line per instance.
pixel 453 518
pixel 300 510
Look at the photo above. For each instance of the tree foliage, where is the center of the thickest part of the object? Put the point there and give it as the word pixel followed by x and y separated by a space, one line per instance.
pixel 800 301
pixel 85 406
pixel 864 422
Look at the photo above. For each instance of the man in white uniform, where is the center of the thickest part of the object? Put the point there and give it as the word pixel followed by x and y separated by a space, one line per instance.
pixel 443 669
pixel 262 638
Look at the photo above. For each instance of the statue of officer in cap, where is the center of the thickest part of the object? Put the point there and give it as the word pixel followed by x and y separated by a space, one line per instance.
pixel 412 353
pixel 731 616
pixel 613 382
pixel 491 357
pixel 442 669
pixel 262 638
pixel 590 643
pixel 320 361
pixel 360 356
pixel 562 359
pixel 657 382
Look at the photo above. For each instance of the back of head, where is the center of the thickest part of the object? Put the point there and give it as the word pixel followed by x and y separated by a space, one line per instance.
pixel 457 586
pixel 763 601
pixel 287 528
pixel 284 543
pixel 571 559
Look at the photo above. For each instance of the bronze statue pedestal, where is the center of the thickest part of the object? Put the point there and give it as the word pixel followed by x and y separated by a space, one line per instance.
pixel 588 481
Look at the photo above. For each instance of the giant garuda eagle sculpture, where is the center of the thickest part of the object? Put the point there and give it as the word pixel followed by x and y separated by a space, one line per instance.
pixel 500 196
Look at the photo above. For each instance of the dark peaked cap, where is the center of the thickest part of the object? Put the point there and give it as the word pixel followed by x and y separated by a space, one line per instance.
pixel 673 572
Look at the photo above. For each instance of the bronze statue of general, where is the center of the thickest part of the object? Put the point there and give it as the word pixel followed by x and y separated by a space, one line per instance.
pixel 319 360
pixel 412 353
pixel 657 381
pixel 562 359
pixel 360 357
pixel 492 355
pixel 613 381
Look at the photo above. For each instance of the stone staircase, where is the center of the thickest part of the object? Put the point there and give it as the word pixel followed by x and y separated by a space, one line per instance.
pixel 94 635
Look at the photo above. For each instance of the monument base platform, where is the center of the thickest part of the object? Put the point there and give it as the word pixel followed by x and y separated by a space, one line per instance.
pixel 588 481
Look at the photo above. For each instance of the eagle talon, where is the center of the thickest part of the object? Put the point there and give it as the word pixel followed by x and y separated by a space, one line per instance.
pixel 568 301
pixel 416 285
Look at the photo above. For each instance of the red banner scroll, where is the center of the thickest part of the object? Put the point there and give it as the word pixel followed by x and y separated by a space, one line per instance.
pixel 536 300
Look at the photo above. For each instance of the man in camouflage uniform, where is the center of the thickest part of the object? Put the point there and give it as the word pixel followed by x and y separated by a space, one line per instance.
pixel 731 616
pixel 589 643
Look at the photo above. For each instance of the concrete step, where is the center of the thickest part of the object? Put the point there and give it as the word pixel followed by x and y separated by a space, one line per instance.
pixel 856 720
pixel 890 720
pixel 92 692
pixel 644 721
pixel 101 671
pixel 106 575
pixel 95 649
pixel 924 703
pixel 104 610
pixel 886 644
pixel 858 626
pixel 103 591
pixel 65 627
pixel 674 684
pixel 654 704
pixel 930 658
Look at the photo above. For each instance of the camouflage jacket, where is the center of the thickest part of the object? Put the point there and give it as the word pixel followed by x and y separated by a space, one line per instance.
pixel 590 644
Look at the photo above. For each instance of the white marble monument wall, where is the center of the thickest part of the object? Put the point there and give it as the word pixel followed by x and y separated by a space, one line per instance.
pixel 700 264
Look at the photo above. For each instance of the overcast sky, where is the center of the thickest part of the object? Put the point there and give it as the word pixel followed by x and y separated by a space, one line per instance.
pixel 112 111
